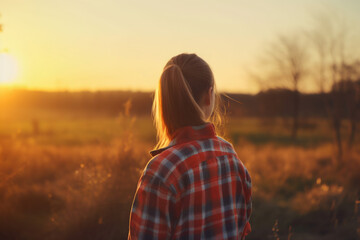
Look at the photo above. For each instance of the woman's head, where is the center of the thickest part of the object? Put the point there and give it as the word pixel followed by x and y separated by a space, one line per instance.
pixel 185 96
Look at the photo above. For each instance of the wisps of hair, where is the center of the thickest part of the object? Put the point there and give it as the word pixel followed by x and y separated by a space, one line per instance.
pixel 218 116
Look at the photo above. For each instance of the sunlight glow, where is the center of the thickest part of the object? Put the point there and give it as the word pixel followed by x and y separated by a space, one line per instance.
pixel 8 68
pixel 112 45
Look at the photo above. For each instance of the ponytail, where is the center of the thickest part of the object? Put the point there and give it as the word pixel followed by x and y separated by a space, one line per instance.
pixel 174 106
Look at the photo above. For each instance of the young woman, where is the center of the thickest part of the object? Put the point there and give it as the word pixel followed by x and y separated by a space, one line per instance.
pixel 195 186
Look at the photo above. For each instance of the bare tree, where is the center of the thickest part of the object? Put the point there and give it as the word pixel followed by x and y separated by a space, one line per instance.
pixel 284 66
pixel 334 70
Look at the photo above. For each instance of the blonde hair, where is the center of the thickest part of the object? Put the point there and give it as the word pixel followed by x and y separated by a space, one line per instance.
pixel 184 80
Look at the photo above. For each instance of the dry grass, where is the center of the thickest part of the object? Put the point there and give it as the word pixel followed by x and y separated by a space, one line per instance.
pixel 308 190
pixel 84 191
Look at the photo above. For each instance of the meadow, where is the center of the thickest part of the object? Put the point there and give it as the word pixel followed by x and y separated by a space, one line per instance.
pixel 72 175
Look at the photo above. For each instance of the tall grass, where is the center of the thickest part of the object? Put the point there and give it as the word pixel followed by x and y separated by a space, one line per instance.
pixel 68 192
pixel 306 190
pixel 53 189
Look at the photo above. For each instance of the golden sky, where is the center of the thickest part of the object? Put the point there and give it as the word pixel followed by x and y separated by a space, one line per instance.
pixel 114 44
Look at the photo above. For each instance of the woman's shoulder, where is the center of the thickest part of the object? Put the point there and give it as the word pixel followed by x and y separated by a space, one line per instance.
pixel 226 145
pixel 171 157
pixel 224 141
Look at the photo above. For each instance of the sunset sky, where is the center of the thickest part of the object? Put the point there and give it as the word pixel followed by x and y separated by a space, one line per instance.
pixel 108 44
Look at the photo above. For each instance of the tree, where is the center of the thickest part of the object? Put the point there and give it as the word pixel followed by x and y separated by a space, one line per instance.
pixel 284 66
pixel 335 71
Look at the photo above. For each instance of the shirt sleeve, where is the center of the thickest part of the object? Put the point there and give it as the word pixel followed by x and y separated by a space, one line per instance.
pixel 150 216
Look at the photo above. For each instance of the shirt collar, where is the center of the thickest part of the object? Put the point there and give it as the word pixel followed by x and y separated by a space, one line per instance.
pixel 187 134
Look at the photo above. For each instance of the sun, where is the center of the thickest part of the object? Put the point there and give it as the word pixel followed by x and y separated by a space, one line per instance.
pixel 8 68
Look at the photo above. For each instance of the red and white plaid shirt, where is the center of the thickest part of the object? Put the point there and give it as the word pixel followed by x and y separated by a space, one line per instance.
pixel 196 188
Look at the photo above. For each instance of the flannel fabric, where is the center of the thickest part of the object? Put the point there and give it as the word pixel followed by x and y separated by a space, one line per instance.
pixel 196 188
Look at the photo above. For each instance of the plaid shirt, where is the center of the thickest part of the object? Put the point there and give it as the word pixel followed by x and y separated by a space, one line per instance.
pixel 196 188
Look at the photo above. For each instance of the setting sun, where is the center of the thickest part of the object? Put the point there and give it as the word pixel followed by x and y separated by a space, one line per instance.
pixel 8 68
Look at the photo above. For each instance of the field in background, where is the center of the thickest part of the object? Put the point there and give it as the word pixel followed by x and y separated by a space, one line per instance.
pixel 78 128
pixel 72 175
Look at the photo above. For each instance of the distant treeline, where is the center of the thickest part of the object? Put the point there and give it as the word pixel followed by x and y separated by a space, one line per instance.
pixel 275 103
pixel 270 103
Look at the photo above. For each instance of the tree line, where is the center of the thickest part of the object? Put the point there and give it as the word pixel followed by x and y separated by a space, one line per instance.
pixel 273 102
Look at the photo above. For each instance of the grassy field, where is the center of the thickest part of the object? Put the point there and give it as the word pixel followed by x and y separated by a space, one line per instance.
pixel 69 128
pixel 72 175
